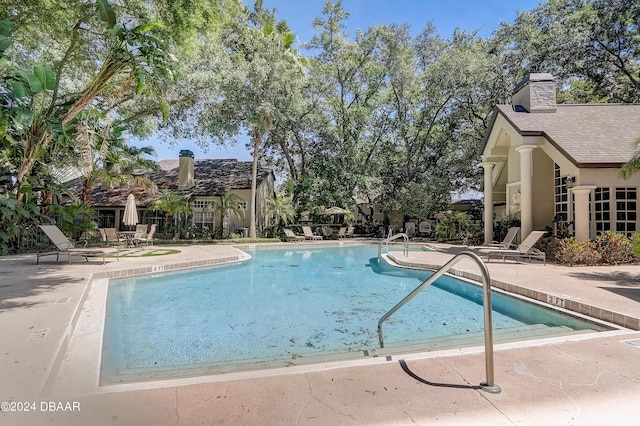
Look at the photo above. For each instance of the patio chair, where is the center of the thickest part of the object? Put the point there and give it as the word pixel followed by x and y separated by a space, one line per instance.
pixel 146 238
pixel 63 245
pixel 327 233
pixel 424 228
pixel 141 231
pixel 349 232
pixel 111 237
pixel 342 232
pixel 308 234
pixel 524 250
pixel 506 243
pixel 289 235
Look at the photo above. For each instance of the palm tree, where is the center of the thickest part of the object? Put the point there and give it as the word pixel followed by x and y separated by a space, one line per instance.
pixel 229 204
pixel 633 165
pixel 171 204
pixel 280 209
pixel 104 155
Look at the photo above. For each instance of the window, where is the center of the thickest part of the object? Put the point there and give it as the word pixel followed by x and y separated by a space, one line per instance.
pixel 203 211
pixel 626 210
pixel 602 210
pixel 561 202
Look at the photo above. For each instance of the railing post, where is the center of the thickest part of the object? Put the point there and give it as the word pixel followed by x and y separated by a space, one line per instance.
pixel 488 385
pixel 405 237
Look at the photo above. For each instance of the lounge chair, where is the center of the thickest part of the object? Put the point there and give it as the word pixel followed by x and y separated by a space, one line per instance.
pixel 308 234
pixel 290 236
pixel 147 237
pixel 506 243
pixel 63 245
pixel 524 250
pixel 342 232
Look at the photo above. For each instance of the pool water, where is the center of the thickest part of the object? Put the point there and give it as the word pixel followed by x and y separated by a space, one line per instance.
pixel 287 304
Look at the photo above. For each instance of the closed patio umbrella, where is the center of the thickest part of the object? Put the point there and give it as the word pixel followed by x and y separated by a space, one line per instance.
pixel 130 217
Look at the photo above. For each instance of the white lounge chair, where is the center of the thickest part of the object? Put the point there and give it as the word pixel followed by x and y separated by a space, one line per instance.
pixel 63 245
pixel 290 236
pixel 526 249
pixel 308 234
pixel 506 243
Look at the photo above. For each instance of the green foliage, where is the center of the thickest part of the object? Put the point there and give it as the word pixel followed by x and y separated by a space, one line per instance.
pixel 173 205
pixel 614 248
pixel 635 244
pixel 229 204
pixel 570 252
pixel 455 227
pixel 281 212
pixel 609 248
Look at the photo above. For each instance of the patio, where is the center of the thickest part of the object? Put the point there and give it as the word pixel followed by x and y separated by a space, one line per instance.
pixel 590 379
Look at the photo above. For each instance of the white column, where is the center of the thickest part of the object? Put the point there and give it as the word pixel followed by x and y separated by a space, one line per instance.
pixel 581 211
pixel 488 202
pixel 526 189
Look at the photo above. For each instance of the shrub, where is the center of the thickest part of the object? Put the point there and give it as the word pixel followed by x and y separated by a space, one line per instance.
pixel 615 248
pixel 635 244
pixel 571 252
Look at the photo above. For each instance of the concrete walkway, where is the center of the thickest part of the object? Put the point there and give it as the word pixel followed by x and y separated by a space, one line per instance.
pixel 584 380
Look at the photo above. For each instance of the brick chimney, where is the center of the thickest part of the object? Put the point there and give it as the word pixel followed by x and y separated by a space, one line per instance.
pixel 185 170
pixel 536 93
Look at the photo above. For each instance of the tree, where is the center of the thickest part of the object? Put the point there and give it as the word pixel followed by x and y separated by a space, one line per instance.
pixel 280 210
pixel 105 156
pixel 229 204
pixel 633 165
pixel 128 57
pixel 590 45
pixel 261 74
pixel 171 204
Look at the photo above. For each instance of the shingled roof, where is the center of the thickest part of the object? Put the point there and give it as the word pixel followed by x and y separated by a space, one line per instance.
pixel 212 178
pixel 590 135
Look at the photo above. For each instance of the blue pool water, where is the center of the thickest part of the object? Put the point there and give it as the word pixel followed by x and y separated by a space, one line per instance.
pixel 286 304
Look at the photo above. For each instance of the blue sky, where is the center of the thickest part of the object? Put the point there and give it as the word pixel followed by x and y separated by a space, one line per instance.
pixel 470 15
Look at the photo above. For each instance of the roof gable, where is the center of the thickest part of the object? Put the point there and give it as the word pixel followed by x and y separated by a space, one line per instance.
pixel 590 135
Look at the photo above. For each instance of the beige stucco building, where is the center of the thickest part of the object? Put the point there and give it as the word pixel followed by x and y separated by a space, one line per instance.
pixel 202 182
pixel 543 161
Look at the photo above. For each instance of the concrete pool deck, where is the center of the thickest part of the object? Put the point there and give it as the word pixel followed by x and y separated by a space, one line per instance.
pixel 579 380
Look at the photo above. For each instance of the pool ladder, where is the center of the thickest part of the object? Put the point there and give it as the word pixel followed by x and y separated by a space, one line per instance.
pixel 488 385
pixel 386 241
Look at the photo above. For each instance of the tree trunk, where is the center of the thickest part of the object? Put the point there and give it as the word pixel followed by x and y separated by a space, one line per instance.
pixel 254 179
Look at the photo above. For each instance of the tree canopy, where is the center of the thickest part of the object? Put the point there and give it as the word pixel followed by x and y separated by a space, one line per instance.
pixel 390 113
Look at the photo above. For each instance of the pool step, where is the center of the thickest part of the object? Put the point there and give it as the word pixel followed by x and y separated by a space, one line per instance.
pixel 391 348
pixel 535 331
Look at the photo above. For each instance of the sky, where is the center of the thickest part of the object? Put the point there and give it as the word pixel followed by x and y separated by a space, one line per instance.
pixel 483 16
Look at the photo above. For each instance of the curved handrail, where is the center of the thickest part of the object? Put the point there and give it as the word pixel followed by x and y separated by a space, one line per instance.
pixel 489 384
pixel 404 236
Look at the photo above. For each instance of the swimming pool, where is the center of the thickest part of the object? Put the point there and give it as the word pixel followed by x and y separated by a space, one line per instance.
pixel 292 306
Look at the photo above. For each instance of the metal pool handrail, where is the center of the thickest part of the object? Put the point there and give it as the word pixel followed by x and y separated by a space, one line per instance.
pixel 405 237
pixel 489 384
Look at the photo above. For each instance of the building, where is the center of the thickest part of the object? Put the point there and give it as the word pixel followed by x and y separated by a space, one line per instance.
pixel 550 163
pixel 202 181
